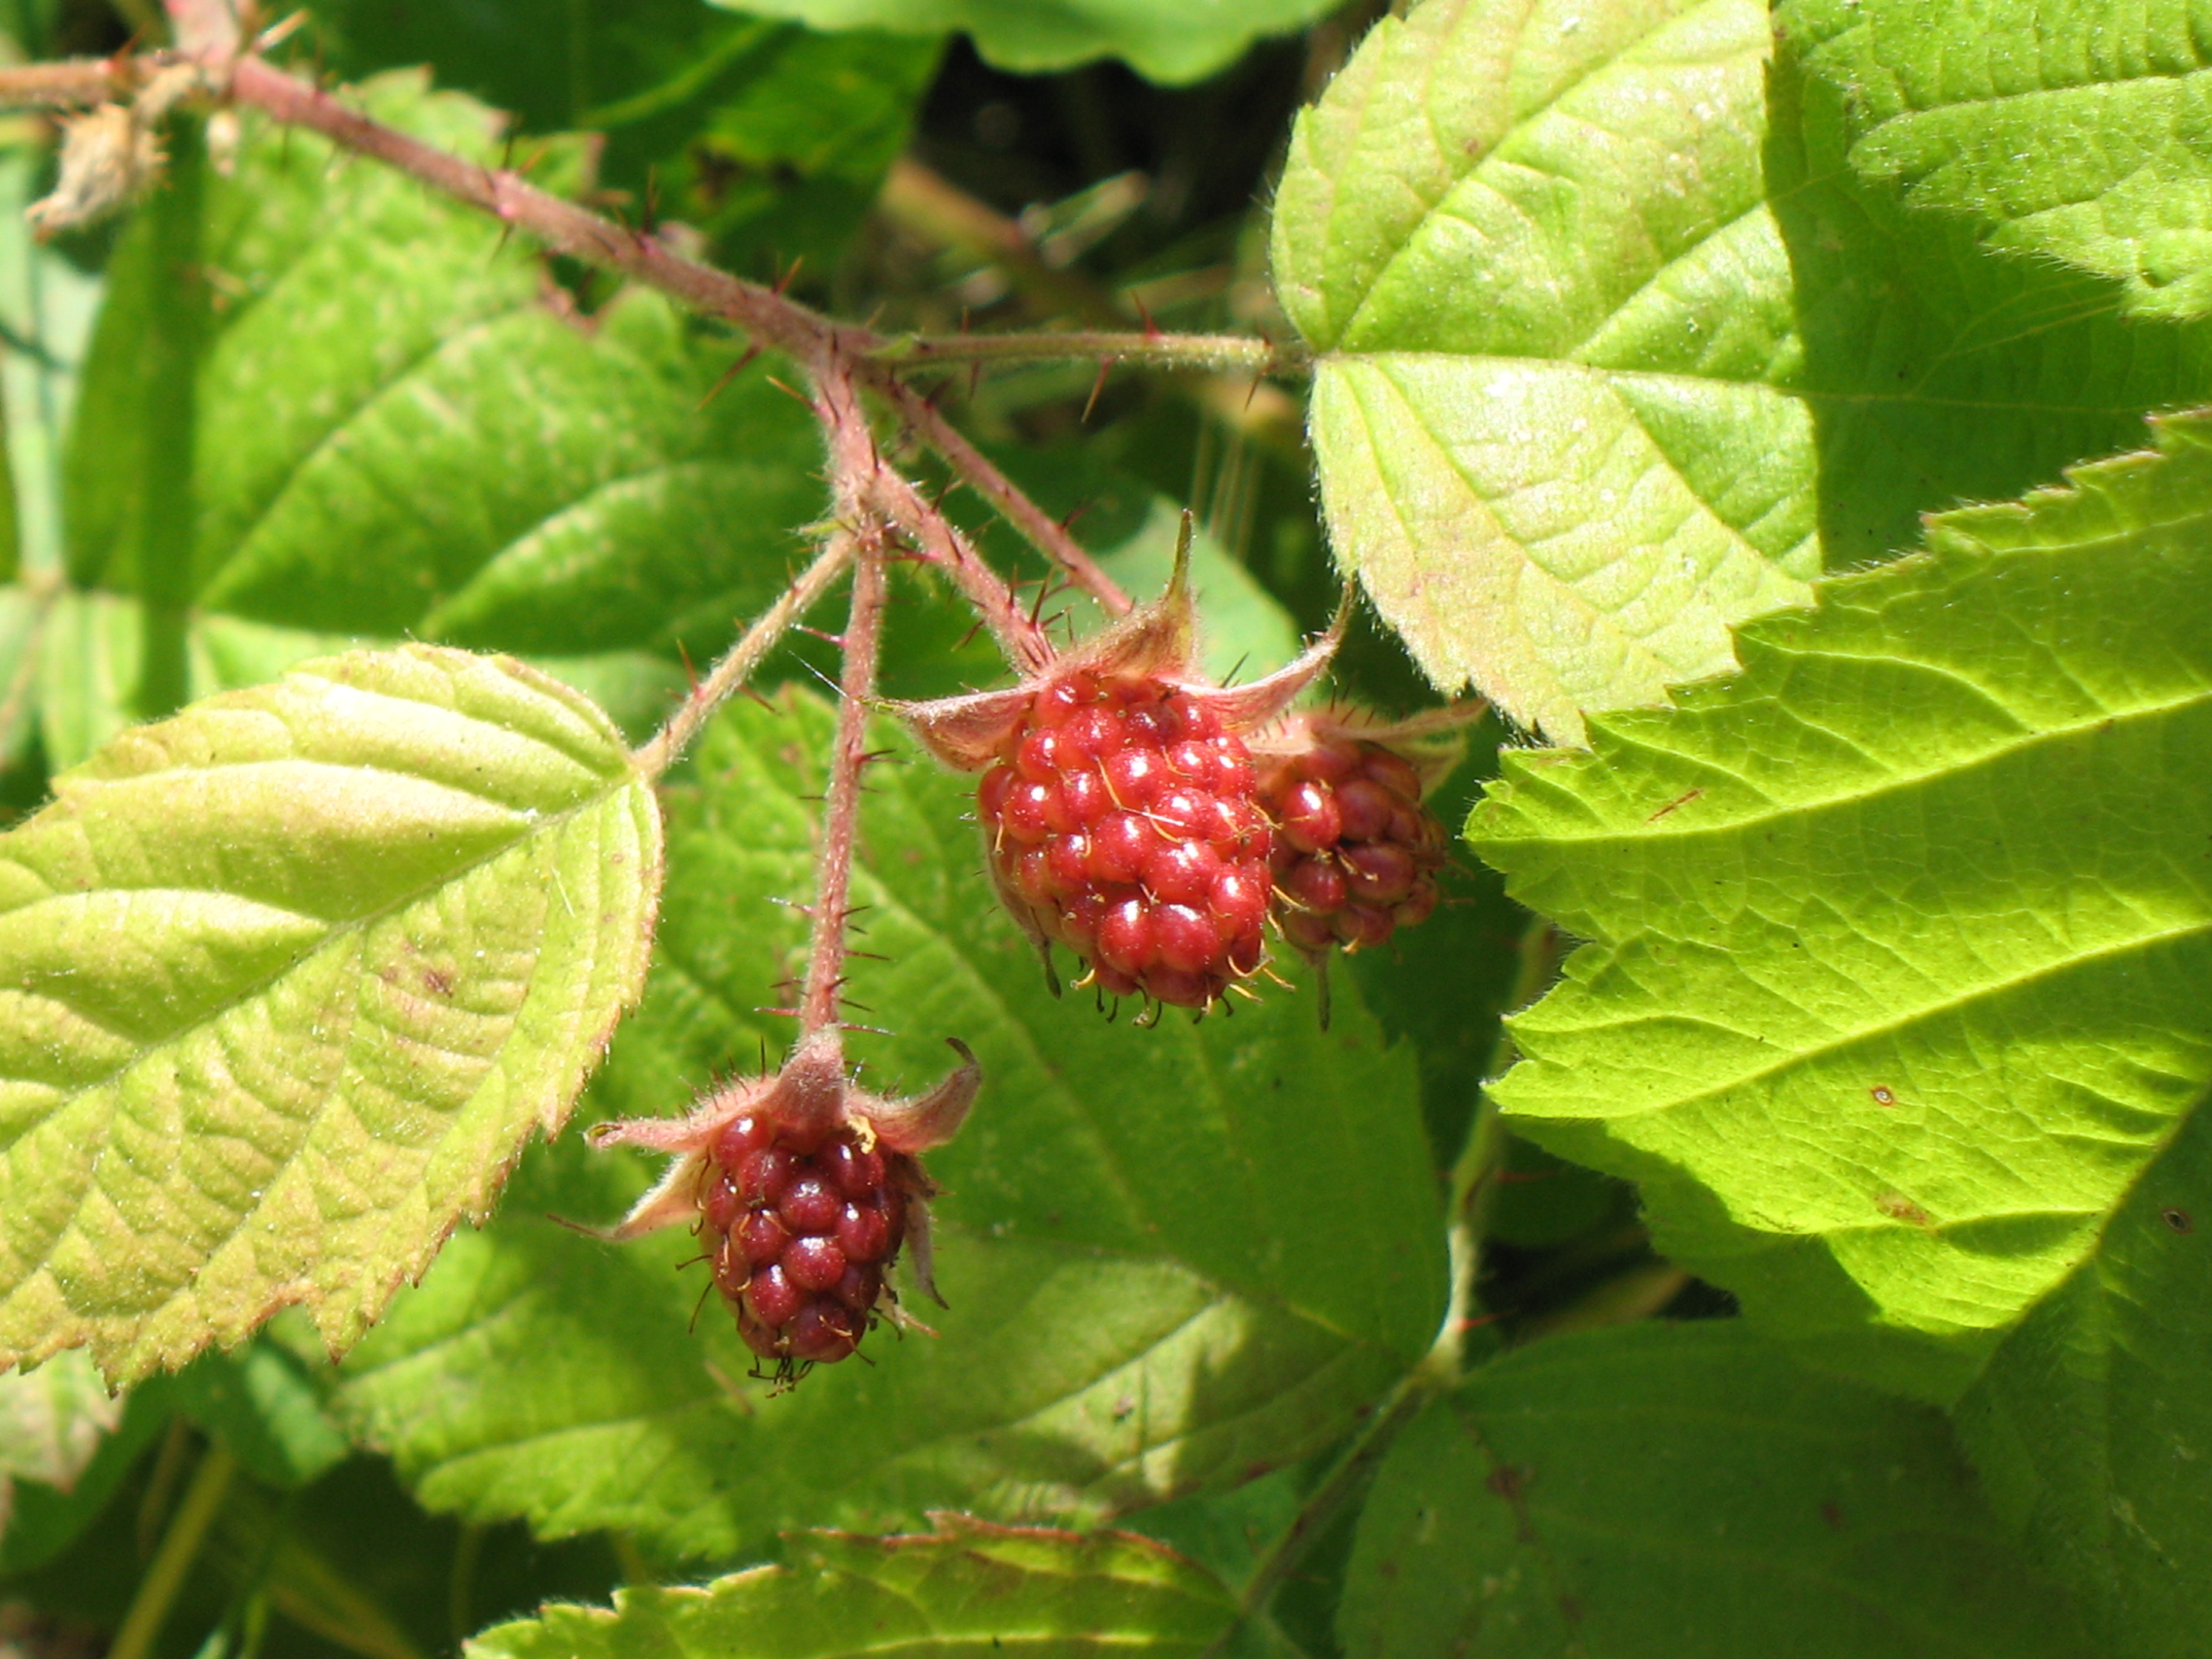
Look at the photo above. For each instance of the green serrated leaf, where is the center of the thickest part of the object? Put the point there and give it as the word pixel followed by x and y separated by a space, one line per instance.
pixel 1174 1257
pixel 1895 1006
pixel 1684 1489
pixel 965 1589
pixel 1163 40
pixel 1615 354
pixel 1891 1003
pixel 290 978
pixel 2073 131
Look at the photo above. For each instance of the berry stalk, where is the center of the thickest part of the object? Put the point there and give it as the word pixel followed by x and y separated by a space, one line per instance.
pixel 833 886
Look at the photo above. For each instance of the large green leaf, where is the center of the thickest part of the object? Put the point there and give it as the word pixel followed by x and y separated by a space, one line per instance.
pixel 1684 1489
pixel 1896 1002
pixel 415 441
pixel 964 1588
pixel 2073 131
pixel 1176 1257
pixel 1613 352
pixel 1163 39
pixel 290 979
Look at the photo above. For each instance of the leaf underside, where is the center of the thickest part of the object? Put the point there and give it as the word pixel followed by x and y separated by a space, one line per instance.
pixel 290 978
pixel 964 1588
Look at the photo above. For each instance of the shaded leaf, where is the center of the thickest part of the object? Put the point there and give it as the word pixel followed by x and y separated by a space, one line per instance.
pixel 291 976
pixel 265 1407
pixel 1161 39
pixel 1684 1489
pixel 1613 354
pixel 1176 1257
pixel 2065 132
pixel 409 436
pixel 1893 1000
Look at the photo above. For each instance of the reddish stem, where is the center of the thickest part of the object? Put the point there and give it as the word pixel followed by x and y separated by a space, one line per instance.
pixel 833 885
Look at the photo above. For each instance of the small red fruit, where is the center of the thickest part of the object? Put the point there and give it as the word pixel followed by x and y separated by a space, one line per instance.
pixel 1118 802
pixel 1356 853
pixel 804 1189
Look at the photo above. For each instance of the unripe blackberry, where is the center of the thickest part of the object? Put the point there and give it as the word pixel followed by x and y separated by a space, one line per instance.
pixel 1355 852
pixel 803 1188
pixel 1117 805
pixel 800 1228
pixel 1120 822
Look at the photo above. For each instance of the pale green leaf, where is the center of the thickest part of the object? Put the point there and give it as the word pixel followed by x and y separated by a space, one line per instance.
pixel 1612 353
pixel 51 1421
pixel 965 1589
pixel 1176 1257
pixel 1167 40
pixel 1900 934
pixel 1684 1491
pixel 290 979
pixel 2076 132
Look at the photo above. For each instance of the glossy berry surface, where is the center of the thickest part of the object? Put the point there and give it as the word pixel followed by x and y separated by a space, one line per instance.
pixel 1355 853
pixel 1120 822
pixel 801 1233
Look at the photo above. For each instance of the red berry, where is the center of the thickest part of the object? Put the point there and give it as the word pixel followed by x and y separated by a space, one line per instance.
pixel 864 1234
pixel 1131 835
pixel 814 1264
pixel 810 1205
pixel 855 1173
pixel 776 1300
pixel 761 1237
pixel 1357 852
pixel 761 1174
pixel 799 1234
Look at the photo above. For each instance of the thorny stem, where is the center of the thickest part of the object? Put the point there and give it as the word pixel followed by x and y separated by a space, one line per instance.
pixel 1043 531
pixel 666 746
pixel 771 318
pixel 833 886
pixel 1209 351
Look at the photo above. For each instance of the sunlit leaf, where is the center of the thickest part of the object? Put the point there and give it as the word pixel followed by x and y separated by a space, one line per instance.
pixel 1615 354
pixel 290 979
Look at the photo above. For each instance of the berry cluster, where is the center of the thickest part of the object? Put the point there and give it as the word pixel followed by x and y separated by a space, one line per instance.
pixel 1355 850
pixel 1120 822
pixel 800 1229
